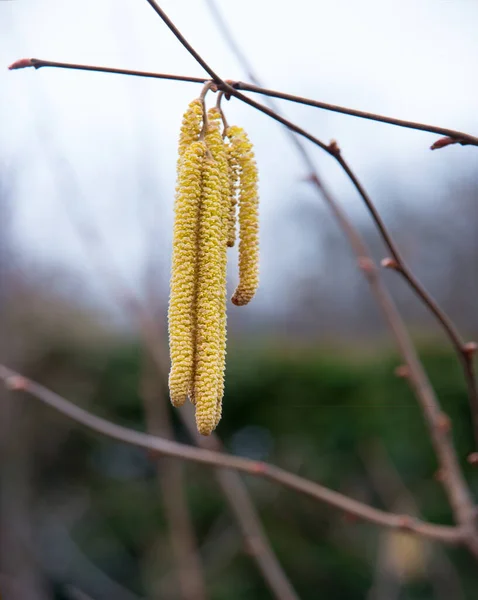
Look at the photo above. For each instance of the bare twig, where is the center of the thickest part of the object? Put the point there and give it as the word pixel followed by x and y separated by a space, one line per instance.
pixel 454 483
pixel 446 534
pixel 148 328
pixel 438 423
pixel 245 514
pixel 332 149
pixel 389 485
pixel 170 477
pixel 451 136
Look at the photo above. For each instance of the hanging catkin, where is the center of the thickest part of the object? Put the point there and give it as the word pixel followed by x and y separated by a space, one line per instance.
pixel 211 287
pixel 182 309
pixel 241 150
pixel 213 174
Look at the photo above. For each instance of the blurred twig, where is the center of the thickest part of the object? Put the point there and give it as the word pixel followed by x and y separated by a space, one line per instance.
pixel 391 488
pixel 268 565
pixel 171 480
pixel 455 484
pixel 446 534
pixel 439 425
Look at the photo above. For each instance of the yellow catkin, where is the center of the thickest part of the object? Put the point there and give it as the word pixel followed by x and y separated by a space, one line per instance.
pixel 241 148
pixel 211 282
pixel 233 167
pixel 190 127
pixel 182 308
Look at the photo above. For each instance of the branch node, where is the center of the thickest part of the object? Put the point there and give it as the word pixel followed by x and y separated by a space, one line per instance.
pixel 473 459
pixel 390 263
pixel 402 371
pixel 448 141
pixel 259 468
pixel 443 423
pixel 16 383
pixel 405 523
pixel 366 264
pixel 334 147
pixel 23 63
pixel 469 349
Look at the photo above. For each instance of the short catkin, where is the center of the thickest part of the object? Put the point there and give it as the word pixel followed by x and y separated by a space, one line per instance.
pixel 241 150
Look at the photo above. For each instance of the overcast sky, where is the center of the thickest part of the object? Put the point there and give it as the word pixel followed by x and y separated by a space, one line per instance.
pixel 407 58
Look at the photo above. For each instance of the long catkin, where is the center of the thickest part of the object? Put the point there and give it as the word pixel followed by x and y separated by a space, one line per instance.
pixel 182 304
pixel 211 286
pixel 241 150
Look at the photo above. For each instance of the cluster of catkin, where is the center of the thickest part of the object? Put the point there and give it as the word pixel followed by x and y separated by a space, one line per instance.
pixel 216 172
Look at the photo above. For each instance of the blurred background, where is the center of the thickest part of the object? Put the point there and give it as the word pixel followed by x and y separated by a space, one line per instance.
pixel 87 175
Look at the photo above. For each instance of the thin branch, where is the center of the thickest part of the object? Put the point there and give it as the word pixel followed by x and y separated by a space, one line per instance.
pixel 147 325
pixel 245 514
pixel 452 136
pixel 454 483
pixel 170 477
pixel 446 534
pixel 37 63
pixel 458 137
pixel 465 351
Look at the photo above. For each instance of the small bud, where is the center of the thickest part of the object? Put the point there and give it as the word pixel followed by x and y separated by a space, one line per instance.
pixel 334 147
pixel 470 348
pixel 389 263
pixel 473 459
pixel 402 371
pixel 21 64
pixel 16 383
pixel 443 423
pixel 439 475
pixel 366 264
pixel 405 523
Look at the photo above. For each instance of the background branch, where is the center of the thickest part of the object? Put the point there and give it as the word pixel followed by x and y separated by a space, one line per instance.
pixel 454 483
pixel 16 382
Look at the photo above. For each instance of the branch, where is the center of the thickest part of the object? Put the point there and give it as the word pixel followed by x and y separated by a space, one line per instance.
pixel 454 483
pixel 462 348
pixel 451 136
pixel 446 534
pixel 148 329
pixel 170 477
pixel 245 514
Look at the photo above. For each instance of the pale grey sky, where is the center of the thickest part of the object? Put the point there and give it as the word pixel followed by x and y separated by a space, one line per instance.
pixel 414 59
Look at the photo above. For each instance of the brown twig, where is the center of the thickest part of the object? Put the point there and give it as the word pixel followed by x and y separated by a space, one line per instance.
pixel 454 482
pixel 451 136
pixel 465 351
pixel 245 514
pixel 391 488
pixel 170 477
pixel 446 534
pixel 332 149
pixel 149 333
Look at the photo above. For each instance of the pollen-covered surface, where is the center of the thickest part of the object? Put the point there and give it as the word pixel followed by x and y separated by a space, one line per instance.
pixel 233 168
pixel 211 287
pixel 190 126
pixel 182 304
pixel 241 149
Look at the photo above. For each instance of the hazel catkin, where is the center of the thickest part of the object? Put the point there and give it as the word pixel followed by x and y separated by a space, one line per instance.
pixel 182 304
pixel 214 174
pixel 241 149
pixel 211 282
